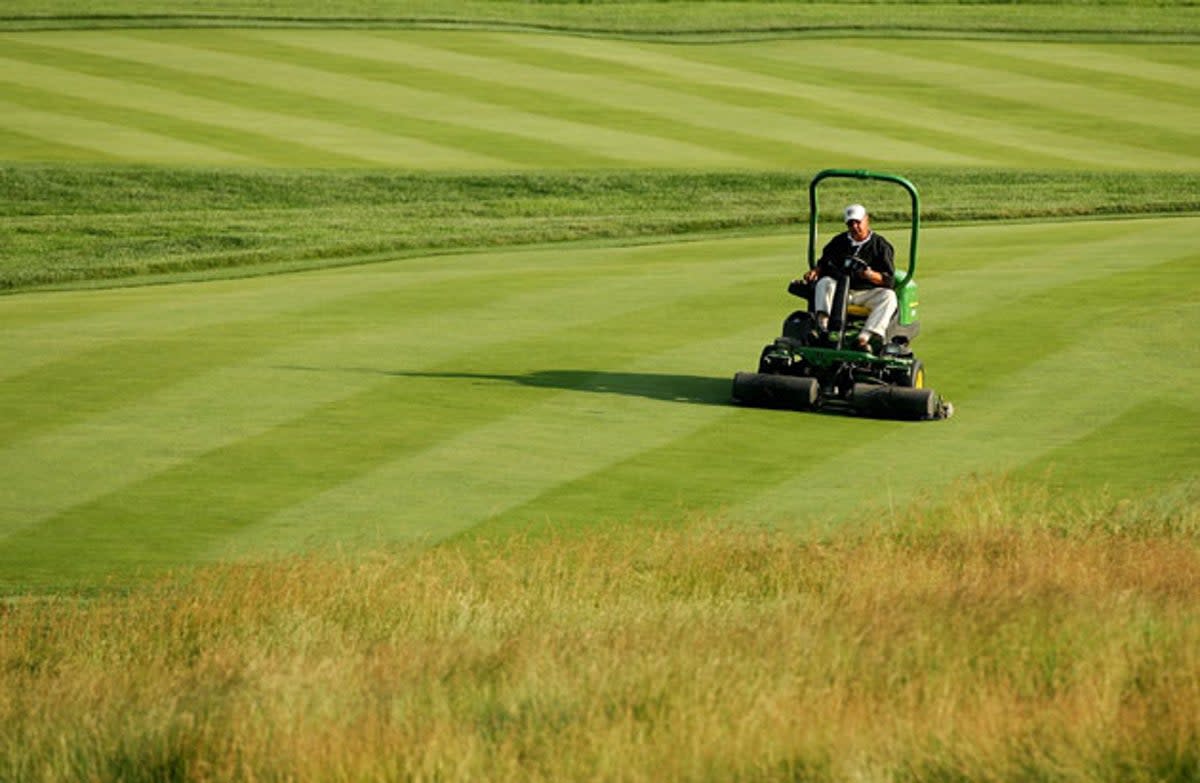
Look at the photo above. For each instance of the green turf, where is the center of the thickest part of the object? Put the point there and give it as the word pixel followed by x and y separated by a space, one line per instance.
pixel 457 386
pixel 480 100
pixel 426 397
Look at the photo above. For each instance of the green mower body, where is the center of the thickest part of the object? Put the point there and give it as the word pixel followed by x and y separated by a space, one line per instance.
pixel 806 368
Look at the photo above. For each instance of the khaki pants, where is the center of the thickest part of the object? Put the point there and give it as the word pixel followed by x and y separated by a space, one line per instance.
pixel 880 301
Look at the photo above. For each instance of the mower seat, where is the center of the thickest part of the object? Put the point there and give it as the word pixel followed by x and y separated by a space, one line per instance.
pixel 805 291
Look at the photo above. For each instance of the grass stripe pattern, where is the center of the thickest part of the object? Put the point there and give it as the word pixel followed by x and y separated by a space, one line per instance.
pixel 417 399
pixel 447 100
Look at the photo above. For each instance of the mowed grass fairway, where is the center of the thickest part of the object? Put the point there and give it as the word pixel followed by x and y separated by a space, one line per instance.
pixel 568 387
pixel 481 100
pixel 364 395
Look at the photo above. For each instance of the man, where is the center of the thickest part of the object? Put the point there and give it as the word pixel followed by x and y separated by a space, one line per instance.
pixel 870 286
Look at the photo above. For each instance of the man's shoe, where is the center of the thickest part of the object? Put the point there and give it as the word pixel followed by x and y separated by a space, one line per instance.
pixel 864 345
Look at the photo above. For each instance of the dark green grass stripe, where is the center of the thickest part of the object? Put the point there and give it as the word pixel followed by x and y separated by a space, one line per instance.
pixel 261 148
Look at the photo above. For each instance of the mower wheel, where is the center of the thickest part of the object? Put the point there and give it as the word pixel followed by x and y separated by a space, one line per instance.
pixel 786 392
pixel 916 375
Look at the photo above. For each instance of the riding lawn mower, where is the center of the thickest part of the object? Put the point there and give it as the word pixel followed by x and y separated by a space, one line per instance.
pixel 812 368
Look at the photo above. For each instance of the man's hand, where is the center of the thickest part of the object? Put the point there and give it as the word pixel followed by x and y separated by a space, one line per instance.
pixel 871 276
pixel 809 276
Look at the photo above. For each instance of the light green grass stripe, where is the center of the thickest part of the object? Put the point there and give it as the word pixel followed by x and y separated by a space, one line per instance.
pixel 324 135
pixel 110 140
pixel 1104 456
pixel 933 83
pixel 422 103
pixel 672 107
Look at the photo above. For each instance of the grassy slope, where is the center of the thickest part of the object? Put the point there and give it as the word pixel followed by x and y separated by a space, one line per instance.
pixel 415 399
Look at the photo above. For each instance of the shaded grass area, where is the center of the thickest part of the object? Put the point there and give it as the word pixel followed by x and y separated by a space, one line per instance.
pixel 67 224
pixel 1145 21
pixel 1001 635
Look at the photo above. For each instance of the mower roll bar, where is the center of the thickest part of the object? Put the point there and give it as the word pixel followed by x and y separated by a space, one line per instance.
pixel 863 174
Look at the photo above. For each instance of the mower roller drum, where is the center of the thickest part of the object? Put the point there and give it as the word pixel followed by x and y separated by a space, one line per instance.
pixel 784 392
pixel 894 402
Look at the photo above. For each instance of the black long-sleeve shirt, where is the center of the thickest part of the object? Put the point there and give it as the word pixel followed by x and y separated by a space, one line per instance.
pixel 877 252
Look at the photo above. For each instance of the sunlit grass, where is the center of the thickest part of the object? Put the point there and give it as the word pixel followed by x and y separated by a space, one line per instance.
pixel 1000 636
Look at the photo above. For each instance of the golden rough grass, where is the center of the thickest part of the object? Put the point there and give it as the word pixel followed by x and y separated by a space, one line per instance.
pixel 998 637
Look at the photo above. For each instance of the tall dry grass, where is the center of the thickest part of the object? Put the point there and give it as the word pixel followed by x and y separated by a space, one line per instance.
pixel 999 637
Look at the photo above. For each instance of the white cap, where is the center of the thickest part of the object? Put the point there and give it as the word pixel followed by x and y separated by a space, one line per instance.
pixel 855 212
